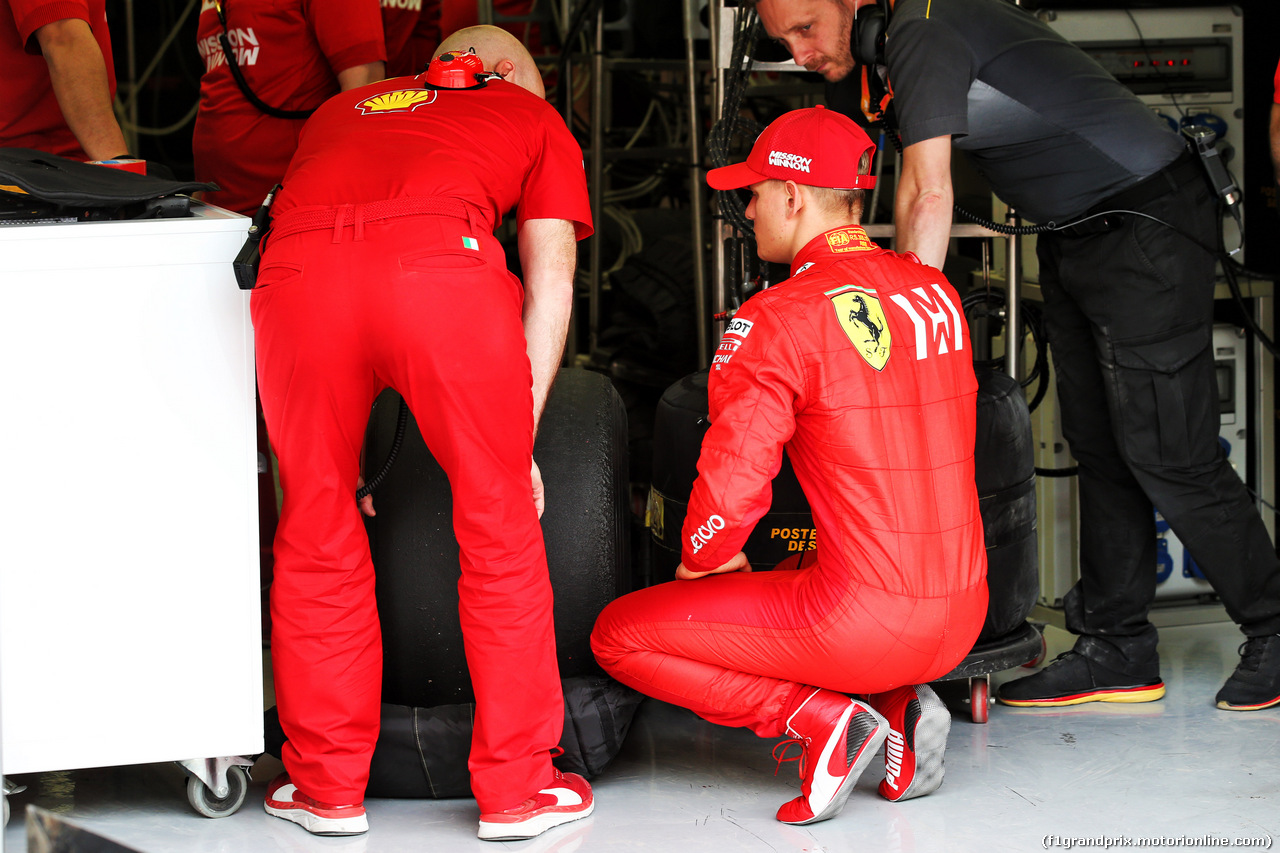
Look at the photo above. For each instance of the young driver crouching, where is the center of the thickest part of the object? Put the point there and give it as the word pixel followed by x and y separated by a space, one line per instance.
pixel 859 366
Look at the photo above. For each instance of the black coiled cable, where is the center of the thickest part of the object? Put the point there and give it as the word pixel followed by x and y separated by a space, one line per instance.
pixel 1010 230
pixel 402 422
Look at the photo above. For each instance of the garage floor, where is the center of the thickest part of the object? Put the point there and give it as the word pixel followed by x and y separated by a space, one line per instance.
pixel 1173 768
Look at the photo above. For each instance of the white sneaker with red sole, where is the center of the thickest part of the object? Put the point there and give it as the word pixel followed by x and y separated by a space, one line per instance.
pixel 566 799
pixel 284 800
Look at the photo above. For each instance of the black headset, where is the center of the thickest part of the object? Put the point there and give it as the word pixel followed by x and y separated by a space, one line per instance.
pixel 866 38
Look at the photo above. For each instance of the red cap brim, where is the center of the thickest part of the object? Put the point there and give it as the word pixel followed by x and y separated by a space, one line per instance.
pixel 733 177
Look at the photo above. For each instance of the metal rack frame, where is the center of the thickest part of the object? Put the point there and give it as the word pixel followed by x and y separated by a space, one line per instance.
pixel 601 67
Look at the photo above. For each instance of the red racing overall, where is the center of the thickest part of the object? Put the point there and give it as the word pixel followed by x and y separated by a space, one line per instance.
pixel 382 270
pixel 859 365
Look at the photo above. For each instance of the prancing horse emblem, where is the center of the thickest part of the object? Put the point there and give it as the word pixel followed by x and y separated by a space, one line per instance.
pixel 863 321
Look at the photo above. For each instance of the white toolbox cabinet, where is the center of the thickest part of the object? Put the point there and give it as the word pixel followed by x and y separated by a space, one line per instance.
pixel 129 582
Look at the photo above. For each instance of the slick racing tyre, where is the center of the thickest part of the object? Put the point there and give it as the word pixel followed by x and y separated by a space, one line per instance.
pixel 679 425
pixel 581 450
pixel 1006 473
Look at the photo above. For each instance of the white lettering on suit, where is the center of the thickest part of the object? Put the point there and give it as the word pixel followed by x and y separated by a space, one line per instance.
pixel 244 44
pixel 734 334
pixel 943 321
pixel 705 531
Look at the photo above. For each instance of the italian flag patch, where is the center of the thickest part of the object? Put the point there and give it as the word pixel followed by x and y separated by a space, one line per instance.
pixel 471 243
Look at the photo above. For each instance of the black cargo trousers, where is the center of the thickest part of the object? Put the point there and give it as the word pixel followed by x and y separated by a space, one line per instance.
pixel 1129 316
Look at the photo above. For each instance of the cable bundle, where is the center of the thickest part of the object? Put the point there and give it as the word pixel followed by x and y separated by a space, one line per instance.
pixel 732 123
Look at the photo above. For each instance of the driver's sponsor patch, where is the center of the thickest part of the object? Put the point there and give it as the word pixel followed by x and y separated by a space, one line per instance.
pixel 734 334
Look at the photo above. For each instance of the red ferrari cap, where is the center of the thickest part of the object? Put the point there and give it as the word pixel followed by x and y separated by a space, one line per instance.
pixel 814 146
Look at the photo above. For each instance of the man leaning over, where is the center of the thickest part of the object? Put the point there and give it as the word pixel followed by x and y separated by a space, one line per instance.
pixel 382 270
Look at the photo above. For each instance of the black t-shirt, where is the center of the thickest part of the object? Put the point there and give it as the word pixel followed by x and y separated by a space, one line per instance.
pixel 1052 132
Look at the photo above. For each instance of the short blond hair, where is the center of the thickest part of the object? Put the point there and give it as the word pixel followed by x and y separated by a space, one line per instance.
pixel 845 201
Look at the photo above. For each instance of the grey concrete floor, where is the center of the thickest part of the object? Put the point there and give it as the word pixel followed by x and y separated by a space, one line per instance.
pixel 1173 769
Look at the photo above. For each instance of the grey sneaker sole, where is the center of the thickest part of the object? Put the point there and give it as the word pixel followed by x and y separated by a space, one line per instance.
pixel 931 744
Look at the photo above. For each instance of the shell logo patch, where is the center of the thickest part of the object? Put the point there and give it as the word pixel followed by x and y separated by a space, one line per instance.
pixel 849 240
pixel 399 101
pixel 862 319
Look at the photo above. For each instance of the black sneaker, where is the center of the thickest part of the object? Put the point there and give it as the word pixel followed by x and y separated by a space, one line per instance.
pixel 1073 679
pixel 1256 682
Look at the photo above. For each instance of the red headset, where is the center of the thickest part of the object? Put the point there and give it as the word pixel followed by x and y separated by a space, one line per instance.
pixel 456 71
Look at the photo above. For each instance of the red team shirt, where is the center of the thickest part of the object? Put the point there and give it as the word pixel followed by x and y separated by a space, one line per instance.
pixel 395 139
pixel 400 20
pixel 290 52
pixel 415 52
pixel 29 113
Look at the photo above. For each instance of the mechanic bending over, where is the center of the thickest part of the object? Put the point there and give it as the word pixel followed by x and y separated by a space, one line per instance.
pixel 382 239
pixel 878 417
pixel 1128 305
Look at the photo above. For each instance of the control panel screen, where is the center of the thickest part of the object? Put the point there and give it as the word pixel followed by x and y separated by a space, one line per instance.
pixel 1165 66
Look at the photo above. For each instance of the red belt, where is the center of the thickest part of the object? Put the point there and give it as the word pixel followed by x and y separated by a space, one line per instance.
pixel 319 218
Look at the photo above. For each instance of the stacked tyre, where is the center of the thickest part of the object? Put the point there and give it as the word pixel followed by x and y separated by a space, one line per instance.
pixel 581 450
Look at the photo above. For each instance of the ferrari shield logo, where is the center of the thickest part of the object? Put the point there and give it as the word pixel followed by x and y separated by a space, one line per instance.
pixel 862 319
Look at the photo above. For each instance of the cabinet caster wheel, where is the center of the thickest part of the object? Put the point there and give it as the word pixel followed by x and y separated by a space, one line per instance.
pixel 979 696
pixel 9 788
pixel 204 801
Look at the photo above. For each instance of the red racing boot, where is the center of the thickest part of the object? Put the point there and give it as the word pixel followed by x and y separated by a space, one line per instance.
pixel 918 728
pixel 839 737
pixel 567 798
